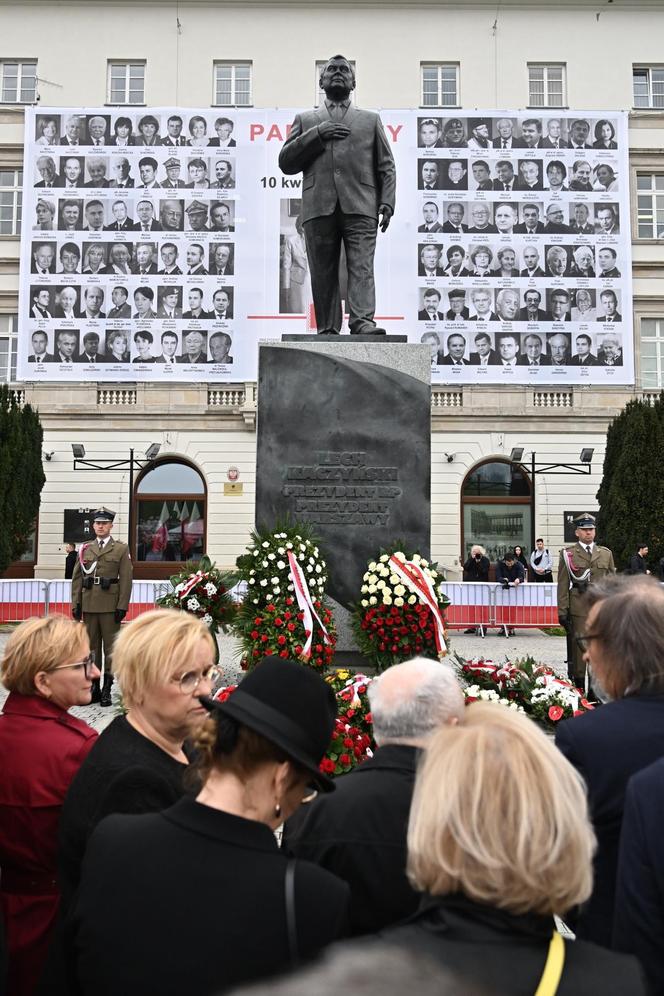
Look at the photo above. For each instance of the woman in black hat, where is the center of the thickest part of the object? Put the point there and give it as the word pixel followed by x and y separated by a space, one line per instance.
pixel 199 898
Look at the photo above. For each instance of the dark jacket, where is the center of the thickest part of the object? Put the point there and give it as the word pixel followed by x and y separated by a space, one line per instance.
pixel 71 557
pixel 124 773
pixel 504 954
pixel 179 870
pixel 515 572
pixel 631 733
pixel 637 564
pixel 638 923
pixel 476 570
pixel 359 833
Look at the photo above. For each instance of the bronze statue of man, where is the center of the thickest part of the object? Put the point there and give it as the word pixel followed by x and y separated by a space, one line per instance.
pixel 348 189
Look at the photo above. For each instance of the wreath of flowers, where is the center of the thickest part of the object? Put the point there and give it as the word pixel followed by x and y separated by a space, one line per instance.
pixel 391 623
pixel 270 622
pixel 204 592
pixel 532 686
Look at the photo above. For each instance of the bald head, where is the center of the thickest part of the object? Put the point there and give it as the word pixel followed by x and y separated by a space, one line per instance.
pixel 410 701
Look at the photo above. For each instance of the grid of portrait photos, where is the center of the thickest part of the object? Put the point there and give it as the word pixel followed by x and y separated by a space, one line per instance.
pixel 129 267
pixel 523 246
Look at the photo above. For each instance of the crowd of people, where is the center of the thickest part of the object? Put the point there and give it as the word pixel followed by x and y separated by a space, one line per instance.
pixel 147 859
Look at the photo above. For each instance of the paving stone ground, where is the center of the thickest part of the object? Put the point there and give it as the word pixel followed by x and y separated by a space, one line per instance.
pixel 526 642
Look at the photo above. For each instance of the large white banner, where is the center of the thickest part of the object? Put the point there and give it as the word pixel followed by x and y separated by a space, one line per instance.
pixel 163 245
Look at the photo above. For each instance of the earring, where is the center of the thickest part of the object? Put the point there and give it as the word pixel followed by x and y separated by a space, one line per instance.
pixel 277 809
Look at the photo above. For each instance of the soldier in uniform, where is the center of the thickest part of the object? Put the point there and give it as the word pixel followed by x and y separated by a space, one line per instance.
pixel 100 591
pixel 579 566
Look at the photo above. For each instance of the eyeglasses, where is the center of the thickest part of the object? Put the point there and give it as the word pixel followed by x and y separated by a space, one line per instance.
pixel 190 680
pixel 87 664
pixel 583 639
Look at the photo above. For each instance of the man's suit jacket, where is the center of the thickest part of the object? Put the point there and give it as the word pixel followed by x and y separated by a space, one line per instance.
pixel 638 924
pixel 421 272
pixel 59 313
pixel 546 143
pixel 175 272
pixel 48 358
pixel 198 271
pixel 613 272
pixel 498 185
pixel 424 316
pixel 447 361
pixel 232 144
pixel 55 182
pixel 492 360
pixel 491 317
pixel 538 272
pixel 178 143
pixel 523 361
pixel 50 269
pixel 62 182
pixel 359 834
pixel 581 229
pixel 630 732
pixel 192 317
pixel 616 318
pixel 590 361
pixel 120 186
pixel 201 358
pixel 126 226
pixel 357 172
pixel 177 313
pixel 85 358
pixel 451 229
pixel 436 227
pixel 136 270
pixel 522 230
pixel 489 230
pixel 554 228
pixel 155 226
pixel 542 316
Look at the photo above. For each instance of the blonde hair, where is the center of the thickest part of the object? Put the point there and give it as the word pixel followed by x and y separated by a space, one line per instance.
pixel 148 649
pixel 500 815
pixel 40 645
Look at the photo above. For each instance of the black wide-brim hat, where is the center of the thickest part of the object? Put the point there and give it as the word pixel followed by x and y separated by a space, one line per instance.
pixel 291 707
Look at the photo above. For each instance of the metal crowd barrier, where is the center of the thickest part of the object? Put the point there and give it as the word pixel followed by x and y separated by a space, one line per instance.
pixel 483 605
pixel 23 598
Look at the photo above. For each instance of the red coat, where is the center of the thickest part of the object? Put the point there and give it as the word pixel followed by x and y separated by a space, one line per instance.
pixel 41 749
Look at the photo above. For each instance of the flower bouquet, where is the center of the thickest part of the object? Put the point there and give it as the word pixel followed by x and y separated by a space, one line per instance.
pixel 204 592
pixel 283 613
pixel 401 610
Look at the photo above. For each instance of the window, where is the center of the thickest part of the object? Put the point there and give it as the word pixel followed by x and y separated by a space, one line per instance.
pixel 8 333
pixel 648 86
pixel 232 84
pixel 650 205
pixel 652 353
pixel 440 85
pixel 19 82
pixel 496 509
pixel 170 519
pixel 11 195
pixel 319 94
pixel 126 82
pixel 546 86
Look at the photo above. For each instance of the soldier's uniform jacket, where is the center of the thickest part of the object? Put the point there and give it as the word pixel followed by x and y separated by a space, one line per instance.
pixel 113 563
pixel 600 564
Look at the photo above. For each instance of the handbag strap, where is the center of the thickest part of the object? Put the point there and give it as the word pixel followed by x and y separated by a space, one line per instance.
pixel 291 922
pixel 553 969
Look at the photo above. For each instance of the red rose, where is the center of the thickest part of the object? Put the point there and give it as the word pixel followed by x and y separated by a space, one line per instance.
pixel 368 718
pixel 297 650
pixel 254 634
pixel 287 615
pixel 264 638
pixel 257 621
pixel 291 627
pixel 327 766
pixel 281 639
pixel 348 742
pixel 555 713
pixel 344 759
pixel 271 607
pixel 289 601
pixel 283 653
pixel 278 621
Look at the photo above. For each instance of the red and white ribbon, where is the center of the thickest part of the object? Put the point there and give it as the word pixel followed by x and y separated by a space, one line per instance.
pixel 417 581
pixel 305 604
pixel 190 583
pixel 86 570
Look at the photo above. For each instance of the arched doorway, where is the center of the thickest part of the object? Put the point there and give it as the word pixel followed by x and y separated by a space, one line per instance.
pixel 170 512
pixel 495 508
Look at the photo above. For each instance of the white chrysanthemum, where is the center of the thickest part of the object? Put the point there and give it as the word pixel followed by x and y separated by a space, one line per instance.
pixel 207 619
pixel 193 604
pixel 211 589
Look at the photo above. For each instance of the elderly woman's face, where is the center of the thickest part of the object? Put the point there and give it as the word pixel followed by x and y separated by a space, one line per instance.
pixel 172 712
pixel 482 260
pixel 69 686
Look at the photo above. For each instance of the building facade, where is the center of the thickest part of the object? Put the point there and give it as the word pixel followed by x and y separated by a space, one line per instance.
pixel 418 55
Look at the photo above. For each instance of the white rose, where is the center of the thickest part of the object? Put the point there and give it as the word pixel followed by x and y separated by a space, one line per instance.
pixel 256 553
pixel 364 603
pixel 412 599
pixel 274 580
pixel 372 579
pixel 380 584
pixel 400 590
pixel 398 601
pixel 264 563
pixel 424 563
pixel 270 556
pixel 311 560
pixel 399 555
pixel 303 548
pixel 265 545
pixel 416 558
pixel 373 600
pixel 310 569
pixel 289 546
pixel 371 589
pixel 394 579
pixel 252 580
pixel 384 558
pixel 372 565
pixel 387 599
pixel 280 565
pixel 281 550
pixel 263 583
pixel 385 572
pixel 318 569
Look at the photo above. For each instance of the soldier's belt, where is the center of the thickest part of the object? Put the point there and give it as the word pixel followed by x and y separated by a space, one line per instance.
pixel 105 583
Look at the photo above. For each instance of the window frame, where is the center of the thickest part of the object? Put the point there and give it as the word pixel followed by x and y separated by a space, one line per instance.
pixel 234 65
pixel 546 68
pixel 650 106
pixel 438 66
pixel 658 339
pixel 127 64
pixel 10 335
pixel 15 203
pixel 20 63
pixel 653 194
pixel 165 568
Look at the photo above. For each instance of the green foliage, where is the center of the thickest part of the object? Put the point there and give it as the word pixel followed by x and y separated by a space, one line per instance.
pixel 21 475
pixel 631 495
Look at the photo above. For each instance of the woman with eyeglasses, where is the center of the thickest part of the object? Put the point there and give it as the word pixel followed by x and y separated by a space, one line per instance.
pixel 47 668
pixel 163 661
pixel 157 890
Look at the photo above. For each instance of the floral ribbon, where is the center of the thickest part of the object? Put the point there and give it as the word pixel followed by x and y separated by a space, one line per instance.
pixel 417 581
pixel 190 583
pixel 305 604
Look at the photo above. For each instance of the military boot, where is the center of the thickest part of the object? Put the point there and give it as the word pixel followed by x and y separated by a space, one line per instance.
pixel 105 699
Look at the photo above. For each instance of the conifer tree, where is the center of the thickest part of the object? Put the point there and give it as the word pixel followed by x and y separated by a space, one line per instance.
pixel 21 475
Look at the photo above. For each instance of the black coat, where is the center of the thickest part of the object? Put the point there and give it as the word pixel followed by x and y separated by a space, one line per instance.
pixel 638 924
pixel 637 564
pixel 359 833
pixel 183 873
pixel 123 773
pixel 504 954
pixel 608 746
pixel 476 570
